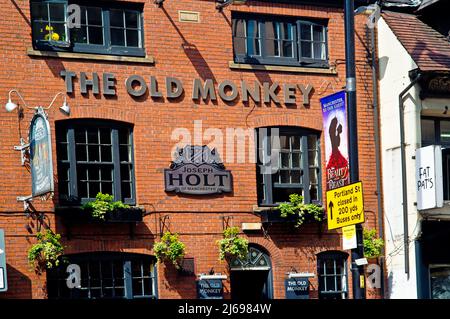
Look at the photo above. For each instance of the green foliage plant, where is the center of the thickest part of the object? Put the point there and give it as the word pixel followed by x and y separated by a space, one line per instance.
pixel 103 204
pixel 300 210
pixel 170 248
pixel 373 246
pixel 232 246
pixel 46 252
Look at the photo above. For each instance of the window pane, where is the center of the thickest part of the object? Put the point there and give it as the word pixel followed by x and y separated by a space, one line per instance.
pixel 284 177
pixel 39 32
pixel 296 159
pixel 95 35
pixel 445 132
pixel 296 176
pixel 306 49
pixel 107 188
pixel 428 134
pixel 137 287
pixel 105 136
pixel 253 46
pixel 57 12
pixel 125 171
pixel 125 153
pixel 94 16
pixel 106 173
pixel 117 37
pixel 295 140
pixel 93 174
pixel 319 51
pixel 79 35
pixel 94 155
pixel 39 11
pixel 116 18
pixel 126 190
pixel 305 32
pixel 287 31
pixel 313 176
pixel 92 135
pixel 132 38
pixel 62 152
pixel 80 136
pixel 57 32
pixel 287 49
pixel 314 193
pixel 318 33
pixel 81 153
pixel 106 153
pixel 284 160
pixel 282 194
pixel 131 19
pixel 271 38
pixel 124 136
pixel 94 189
pixel 239 36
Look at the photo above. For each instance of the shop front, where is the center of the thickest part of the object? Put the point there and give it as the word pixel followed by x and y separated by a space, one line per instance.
pixel 182 129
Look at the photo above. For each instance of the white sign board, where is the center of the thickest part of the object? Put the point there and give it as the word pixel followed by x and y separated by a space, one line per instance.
pixel 349 237
pixel 429 180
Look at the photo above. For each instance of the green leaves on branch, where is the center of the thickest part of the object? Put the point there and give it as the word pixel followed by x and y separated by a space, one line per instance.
pixel 170 248
pixel 46 252
pixel 103 204
pixel 373 246
pixel 302 211
pixel 232 246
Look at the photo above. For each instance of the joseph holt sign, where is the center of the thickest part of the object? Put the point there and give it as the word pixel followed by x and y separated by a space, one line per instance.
pixel 197 170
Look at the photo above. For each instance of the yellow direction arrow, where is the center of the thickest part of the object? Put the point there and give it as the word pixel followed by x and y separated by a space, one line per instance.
pixel 345 206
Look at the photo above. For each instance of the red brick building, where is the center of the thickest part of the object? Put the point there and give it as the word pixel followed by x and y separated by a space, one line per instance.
pixel 128 134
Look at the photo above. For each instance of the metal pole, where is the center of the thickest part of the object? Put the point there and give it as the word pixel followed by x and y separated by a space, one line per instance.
pixel 358 279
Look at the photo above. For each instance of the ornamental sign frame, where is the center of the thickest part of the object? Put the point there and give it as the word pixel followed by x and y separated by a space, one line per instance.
pixel 197 170
pixel 41 161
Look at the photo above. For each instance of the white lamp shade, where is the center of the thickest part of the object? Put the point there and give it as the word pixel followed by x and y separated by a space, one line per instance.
pixel 10 106
pixel 65 108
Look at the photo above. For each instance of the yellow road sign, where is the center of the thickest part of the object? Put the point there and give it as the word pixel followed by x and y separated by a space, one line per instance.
pixel 345 206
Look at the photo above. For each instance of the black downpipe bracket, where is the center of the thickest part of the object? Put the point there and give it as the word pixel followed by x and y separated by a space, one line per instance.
pixel 401 96
pixel 358 279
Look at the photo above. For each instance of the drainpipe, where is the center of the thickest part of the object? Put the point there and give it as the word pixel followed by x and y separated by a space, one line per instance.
pixel 376 125
pixel 403 160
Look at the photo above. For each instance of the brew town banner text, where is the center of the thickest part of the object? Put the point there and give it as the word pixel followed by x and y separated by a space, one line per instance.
pixel 206 90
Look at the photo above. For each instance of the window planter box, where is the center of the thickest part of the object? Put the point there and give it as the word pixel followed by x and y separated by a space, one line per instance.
pixel 121 215
pixel 274 216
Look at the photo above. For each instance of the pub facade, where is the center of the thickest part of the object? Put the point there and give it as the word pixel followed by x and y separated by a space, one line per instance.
pixel 197 116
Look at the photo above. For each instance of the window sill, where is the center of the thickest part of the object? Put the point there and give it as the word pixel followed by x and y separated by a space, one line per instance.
pixel 88 56
pixel 294 69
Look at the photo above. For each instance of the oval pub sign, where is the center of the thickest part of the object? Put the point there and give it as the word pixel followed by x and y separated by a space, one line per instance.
pixel 197 170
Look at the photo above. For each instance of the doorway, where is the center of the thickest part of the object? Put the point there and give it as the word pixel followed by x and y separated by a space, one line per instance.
pixel 251 279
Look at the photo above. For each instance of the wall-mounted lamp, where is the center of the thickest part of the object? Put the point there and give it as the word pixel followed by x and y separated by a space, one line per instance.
pixel 445 110
pixel 159 3
pixel 11 106
pixel 220 4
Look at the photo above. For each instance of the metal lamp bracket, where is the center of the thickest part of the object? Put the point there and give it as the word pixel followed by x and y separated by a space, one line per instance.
pixel 26 201
pixel 23 148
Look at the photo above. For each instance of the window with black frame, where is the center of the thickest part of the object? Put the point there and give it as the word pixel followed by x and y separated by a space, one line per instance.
pixel 279 40
pixel 436 131
pixel 94 156
pixel 105 27
pixel 288 163
pixel 105 275
pixel 332 274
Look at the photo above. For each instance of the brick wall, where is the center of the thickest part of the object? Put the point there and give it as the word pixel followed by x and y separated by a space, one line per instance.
pixel 196 218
